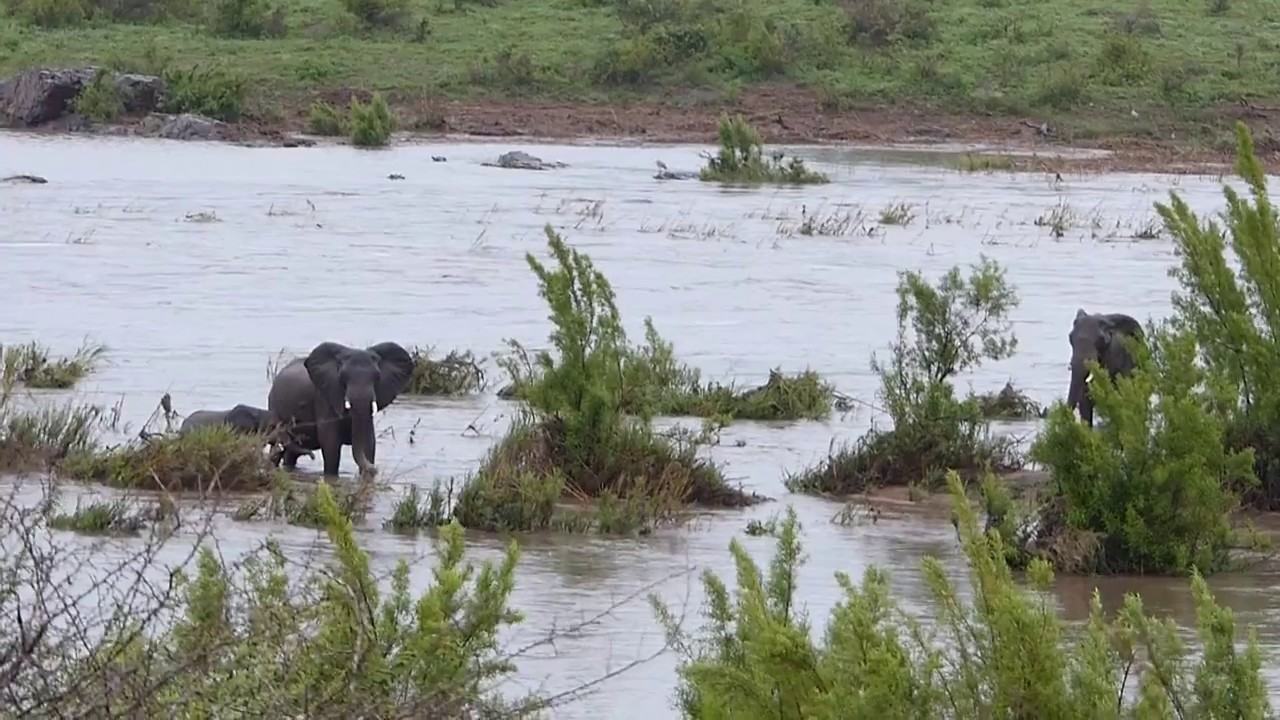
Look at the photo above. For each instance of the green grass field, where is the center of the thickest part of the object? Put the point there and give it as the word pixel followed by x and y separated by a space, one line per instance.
pixel 1176 59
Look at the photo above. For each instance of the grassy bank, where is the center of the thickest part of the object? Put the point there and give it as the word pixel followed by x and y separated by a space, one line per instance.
pixel 1132 68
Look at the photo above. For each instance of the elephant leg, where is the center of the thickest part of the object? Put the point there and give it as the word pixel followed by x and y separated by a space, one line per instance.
pixel 290 457
pixel 330 445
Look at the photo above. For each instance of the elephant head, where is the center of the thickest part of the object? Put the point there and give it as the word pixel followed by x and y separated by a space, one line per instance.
pixel 1098 337
pixel 248 418
pixel 345 376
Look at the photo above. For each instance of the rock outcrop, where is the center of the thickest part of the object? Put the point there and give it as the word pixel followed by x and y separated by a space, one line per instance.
pixel 37 97
pixel 186 126
pixel 519 160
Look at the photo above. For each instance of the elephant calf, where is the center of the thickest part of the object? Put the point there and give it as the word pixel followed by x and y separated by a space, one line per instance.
pixel 246 419
pixel 1098 337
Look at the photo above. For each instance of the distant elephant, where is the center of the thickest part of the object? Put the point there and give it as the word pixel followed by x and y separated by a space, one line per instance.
pixel 1098 337
pixel 310 397
pixel 247 419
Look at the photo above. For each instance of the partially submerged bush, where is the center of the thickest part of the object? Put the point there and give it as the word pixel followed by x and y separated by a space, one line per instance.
pixel 1231 313
pixel 35 439
pixel 298 503
pixel 1154 484
pixel 577 440
pixel 258 639
pixel 741 159
pixel 954 326
pixel 34 366
pixel 1009 403
pixel 1003 654
pixel 457 373
pixel 207 459
pixel 102 517
pixel 417 510
pixel 372 123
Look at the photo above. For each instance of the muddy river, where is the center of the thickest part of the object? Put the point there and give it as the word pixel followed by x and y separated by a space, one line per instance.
pixel 197 264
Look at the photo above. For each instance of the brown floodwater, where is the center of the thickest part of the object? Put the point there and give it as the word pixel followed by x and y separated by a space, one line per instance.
pixel 197 264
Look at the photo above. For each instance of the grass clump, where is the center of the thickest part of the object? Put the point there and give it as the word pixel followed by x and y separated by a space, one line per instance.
pixel 457 373
pixel 100 517
pixel 943 330
pixel 417 510
pixel 269 641
pixel 741 159
pixel 207 459
pixel 371 123
pixel 575 440
pixel 298 503
pixel 34 366
pixel 997 655
pixel 248 19
pixel 1009 403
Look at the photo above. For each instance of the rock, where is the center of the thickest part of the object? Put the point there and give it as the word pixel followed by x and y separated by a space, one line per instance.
pixel 519 160
pixel 293 142
pixel 665 174
pixel 36 97
pixel 29 179
pixel 438 158
pixel 395 176
pixel 186 126
pixel 140 93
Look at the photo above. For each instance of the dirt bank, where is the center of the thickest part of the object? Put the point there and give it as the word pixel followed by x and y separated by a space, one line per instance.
pixel 794 115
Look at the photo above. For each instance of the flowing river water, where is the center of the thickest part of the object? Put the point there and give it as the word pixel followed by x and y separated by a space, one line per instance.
pixel 197 264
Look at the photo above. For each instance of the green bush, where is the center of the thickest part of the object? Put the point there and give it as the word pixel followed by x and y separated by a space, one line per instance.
pixel 48 14
pixel 258 639
pixel 577 440
pixel 943 330
pixel 99 100
pixel 33 365
pixel 372 123
pixel 1005 653
pixel 324 119
pixel 1231 313
pixel 212 92
pixel 209 459
pixel 379 13
pixel 741 159
pixel 1151 490
pixel 251 19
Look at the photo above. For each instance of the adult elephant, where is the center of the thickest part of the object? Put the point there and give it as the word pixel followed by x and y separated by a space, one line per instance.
pixel 248 420
pixel 1098 337
pixel 311 396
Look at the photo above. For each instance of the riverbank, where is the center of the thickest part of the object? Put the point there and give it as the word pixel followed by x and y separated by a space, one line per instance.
pixel 782 115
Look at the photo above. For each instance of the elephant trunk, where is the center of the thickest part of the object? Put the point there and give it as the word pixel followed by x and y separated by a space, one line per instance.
pixel 1075 392
pixel 362 436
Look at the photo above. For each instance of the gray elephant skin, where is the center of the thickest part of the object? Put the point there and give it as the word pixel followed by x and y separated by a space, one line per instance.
pixel 247 419
pixel 1098 337
pixel 311 395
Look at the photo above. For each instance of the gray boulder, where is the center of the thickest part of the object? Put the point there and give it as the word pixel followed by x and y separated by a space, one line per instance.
pixel 186 126
pixel 36 97
pixel 519 160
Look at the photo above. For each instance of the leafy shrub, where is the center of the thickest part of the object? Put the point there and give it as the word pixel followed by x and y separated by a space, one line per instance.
pixel 248 19
pixel 371 124
pixel 954 326
pixel 1150 491
pixel 1230 313
pixel 1006 653
pixel 876 23
pixel 324 119
pixel 576 439
pixel 206 459
pixel 212 92
pixel 258 639
pixel 33 365
pixel 741 159
pixel 48 14
pixel 379 13
pixel 99 100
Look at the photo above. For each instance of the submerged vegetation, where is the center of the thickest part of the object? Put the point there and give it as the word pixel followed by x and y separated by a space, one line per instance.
pixel 208 459
pixel 458 373
pixel 35 366
pixel 741 159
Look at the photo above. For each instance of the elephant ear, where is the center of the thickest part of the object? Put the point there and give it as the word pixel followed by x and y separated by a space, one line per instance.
pixel 1124 324
pixel 323 365
pixel 245 417
pixel 395 367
